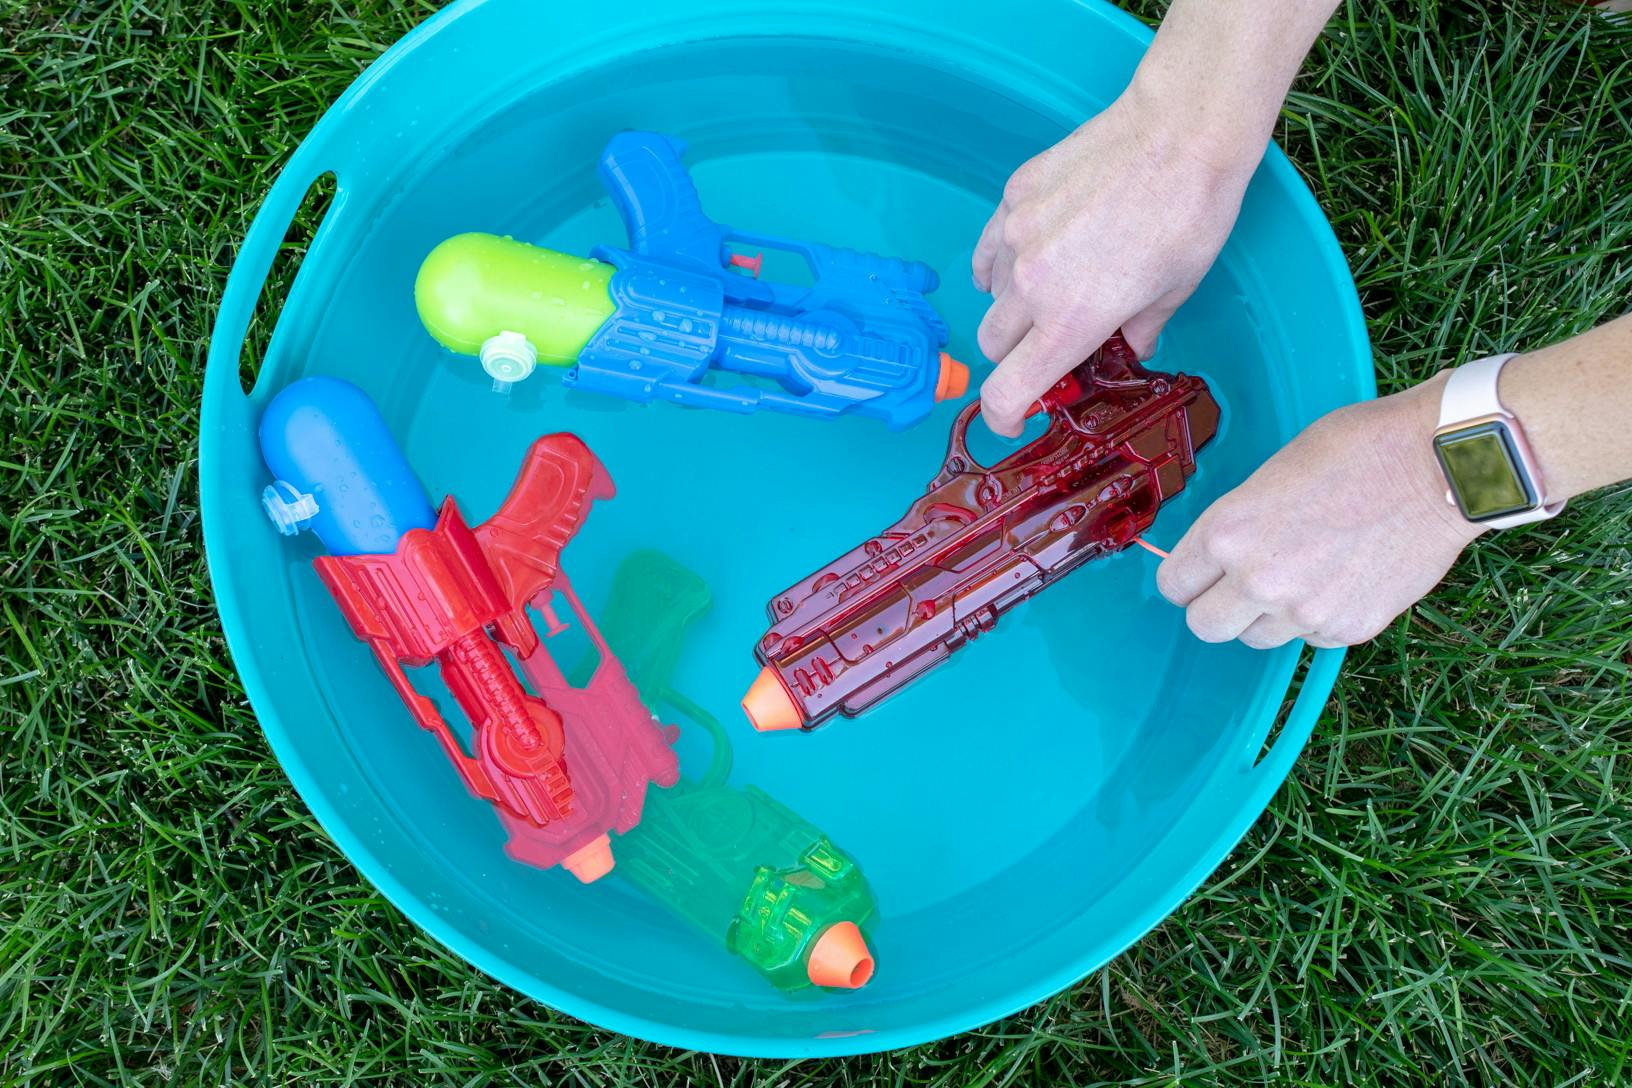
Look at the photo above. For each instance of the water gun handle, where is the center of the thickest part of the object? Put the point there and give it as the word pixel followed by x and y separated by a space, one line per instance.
pixel 658 202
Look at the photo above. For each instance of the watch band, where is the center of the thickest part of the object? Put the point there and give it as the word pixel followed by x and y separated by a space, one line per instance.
pixel 1471 392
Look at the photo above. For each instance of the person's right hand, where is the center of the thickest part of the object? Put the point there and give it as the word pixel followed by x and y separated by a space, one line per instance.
pixel 1111 228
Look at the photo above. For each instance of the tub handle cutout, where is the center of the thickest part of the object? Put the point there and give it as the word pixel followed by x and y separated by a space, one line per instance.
pixel 297 184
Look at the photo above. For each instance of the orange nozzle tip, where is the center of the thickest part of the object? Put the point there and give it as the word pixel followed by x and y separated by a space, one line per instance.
pixel 591 861
pixel 954 379
pixel 769 706
pixel 840 958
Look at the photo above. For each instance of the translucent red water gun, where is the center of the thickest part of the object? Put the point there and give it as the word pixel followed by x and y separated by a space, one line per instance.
pixel 419 587
pixel 1121 441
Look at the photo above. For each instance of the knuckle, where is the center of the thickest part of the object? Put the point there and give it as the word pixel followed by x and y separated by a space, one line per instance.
pixel 1021 184
pixel 1226 537
pixel 1349 631
pixel 1030 270
pixel 999 398
pixel 1259 641
pixel 1168 577
pixel 1264 582
pixel 1018 226
pixel 1308 614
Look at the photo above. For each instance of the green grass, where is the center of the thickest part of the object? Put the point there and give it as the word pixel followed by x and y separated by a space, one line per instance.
pixel 1442 893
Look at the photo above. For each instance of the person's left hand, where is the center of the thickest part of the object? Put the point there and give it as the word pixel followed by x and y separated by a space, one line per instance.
pixel 1330 539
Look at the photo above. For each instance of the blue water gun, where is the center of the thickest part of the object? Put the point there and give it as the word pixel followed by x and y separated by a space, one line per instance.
pixel 649 322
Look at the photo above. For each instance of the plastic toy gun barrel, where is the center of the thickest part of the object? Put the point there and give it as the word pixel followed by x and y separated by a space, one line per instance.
pixel 421 587
pixel 1121 441
pixel 649 322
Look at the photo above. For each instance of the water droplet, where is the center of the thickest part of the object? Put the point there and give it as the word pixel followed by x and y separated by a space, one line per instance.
pixel 659 315
pixel 645 334
pixel 685 324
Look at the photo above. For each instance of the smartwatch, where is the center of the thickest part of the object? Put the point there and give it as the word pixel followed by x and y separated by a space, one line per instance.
pixel 1490 473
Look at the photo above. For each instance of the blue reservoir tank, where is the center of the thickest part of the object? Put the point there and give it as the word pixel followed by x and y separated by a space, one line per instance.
pixel 338 470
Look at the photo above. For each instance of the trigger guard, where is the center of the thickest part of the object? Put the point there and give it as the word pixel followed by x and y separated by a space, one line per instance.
pixel 957 445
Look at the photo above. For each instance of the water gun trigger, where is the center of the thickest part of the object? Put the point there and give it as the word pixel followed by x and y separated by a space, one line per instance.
pixel 751 265
pixel 1114 361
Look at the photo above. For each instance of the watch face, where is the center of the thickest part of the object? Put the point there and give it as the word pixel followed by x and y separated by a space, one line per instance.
pixel 1485 473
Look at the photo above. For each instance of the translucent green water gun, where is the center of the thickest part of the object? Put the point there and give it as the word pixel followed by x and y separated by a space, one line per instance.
pixel 737 863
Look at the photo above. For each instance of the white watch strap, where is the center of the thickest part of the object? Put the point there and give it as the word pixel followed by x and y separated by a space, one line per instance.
pixel 1471 392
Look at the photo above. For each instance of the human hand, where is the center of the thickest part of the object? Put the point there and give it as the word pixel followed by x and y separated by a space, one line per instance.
pixel 1330 539
pixel 1111 228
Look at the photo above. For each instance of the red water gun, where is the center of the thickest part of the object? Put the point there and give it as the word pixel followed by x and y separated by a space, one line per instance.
pixel 440 593
pixel 1121 441
pixel 422 587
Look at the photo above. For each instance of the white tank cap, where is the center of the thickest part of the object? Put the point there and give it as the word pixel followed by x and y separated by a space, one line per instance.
pixel 508 357
pixel 290 509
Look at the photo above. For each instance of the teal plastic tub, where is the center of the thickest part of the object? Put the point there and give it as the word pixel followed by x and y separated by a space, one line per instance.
pixel 1024 813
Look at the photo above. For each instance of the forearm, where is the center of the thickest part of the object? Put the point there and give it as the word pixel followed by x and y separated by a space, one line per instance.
pixel 1220 69
pixel 1574 400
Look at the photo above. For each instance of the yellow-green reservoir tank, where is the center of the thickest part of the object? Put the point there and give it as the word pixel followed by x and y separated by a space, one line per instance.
pixel 510 304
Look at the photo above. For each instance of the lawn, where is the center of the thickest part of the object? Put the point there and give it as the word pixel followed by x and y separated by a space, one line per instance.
pixel 1442 892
